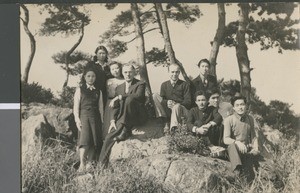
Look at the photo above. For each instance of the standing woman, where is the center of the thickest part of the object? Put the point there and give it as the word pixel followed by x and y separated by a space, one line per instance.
pixel 101 59
pixel 111 85
pixel 100 63
pixel 86 112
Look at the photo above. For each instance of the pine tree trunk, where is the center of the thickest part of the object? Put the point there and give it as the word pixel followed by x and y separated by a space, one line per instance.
pixel 162 20
pixel 32 43
pixel 242 51
pixel 67 59
pixel 218 38
pixel 67 79
pixel 140 47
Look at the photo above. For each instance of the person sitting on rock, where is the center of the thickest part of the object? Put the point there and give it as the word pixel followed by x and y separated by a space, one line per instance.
pixel 174 100
pixel 240 136
pixel 224 109
pixel 128 110
pixel 204 120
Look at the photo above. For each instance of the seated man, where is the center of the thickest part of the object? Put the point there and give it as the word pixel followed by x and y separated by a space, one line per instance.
pixel 128 111
pixel 224 109
pixel 204 120
pixel 240 136
pixel 174 99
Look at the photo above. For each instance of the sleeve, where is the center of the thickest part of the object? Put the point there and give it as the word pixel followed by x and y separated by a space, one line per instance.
pixel 217 117
pixel 163 94
pixel 187 99
pixel 190 120
pixel 101 106
pixel 76 106
pixel 227 131
pixel 253 134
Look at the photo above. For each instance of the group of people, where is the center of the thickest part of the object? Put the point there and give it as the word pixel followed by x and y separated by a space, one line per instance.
pixel 110 101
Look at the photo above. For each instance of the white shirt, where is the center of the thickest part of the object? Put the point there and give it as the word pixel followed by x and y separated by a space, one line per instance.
pixel 127 85
pixel 173 82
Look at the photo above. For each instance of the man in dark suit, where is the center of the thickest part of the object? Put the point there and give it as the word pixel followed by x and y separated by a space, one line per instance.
pixel 128 111
pixel 204 81
pixel 174 100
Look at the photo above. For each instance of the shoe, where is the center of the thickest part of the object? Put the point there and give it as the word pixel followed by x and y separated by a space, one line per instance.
pixel 123 135
pixel 173 129
pixel 166 129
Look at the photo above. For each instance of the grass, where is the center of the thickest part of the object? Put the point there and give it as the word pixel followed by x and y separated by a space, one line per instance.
pixel 52 171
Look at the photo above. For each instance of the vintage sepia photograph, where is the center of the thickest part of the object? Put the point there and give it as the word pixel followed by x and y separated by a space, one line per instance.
pixel 160 97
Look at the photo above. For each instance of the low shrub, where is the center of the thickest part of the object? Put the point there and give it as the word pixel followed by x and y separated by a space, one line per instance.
pixel 66 97
pixel 34 92
pixel 183 141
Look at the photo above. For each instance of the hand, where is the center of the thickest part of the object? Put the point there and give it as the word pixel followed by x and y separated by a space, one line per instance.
pixel 254 152
pixel 78 124
pixel 201 130
pixel 170 104
pixel 241 147
pixel 112 126
pixel 207 126
pixel 112 102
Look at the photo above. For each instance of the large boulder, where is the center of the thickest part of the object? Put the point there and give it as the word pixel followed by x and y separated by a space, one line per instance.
pixel 135 147
pixel 62 119
pixel 186 172
pixel 35 130
pixel 146 140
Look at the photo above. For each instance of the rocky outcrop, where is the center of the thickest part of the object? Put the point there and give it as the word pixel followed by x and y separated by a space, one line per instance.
pixel 146 140
pixel 186 172
pixel 136 148
pixel 35 129
pixel 62 119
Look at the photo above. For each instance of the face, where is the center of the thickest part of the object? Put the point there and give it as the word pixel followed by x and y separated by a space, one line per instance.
pixel 239 106
pixel 101 55
pixel 204 68
pixel 128 73
pixel 214 100
pixel 174 72
pixel 90 77
pixel 201 101
pixel 115 70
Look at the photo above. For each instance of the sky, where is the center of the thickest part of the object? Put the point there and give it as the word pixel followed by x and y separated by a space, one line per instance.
pixel 275 76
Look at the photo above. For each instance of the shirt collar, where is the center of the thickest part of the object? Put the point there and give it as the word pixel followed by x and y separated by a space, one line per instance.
pixel 128 83
pixel 103 65
pixel 240 117
pixel 91 87
pixel 173 82
pixel 202 77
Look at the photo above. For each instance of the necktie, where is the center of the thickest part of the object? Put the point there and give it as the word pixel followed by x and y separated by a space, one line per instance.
pixel 173 84
pixel 127 87
pixel 205 82
pixel 243 118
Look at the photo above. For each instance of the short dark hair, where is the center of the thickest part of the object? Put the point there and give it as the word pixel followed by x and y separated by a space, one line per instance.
pixel 205 61
pixel 200 92
pixel 236 97
pixel 212 91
